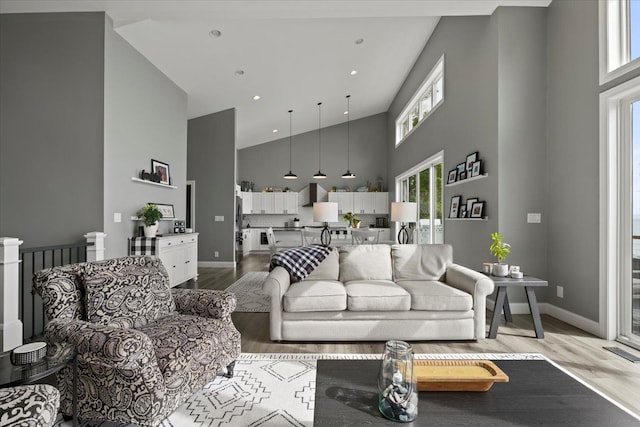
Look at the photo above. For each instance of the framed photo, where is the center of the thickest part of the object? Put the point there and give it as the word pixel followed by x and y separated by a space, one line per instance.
pixel 461 168
pixel 453 175
pixel 463 175
pixel 471 159
pixel 455 206
pixel 477 210
pixel 161 169
pixel 167 210
pixel 475 168
pixel 463 211
pixel 470 203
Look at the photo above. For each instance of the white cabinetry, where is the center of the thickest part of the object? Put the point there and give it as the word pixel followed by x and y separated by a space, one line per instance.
pixel 262 203
pixel 247 202
pixel 361 202
pixel 285 203
pixel 179 255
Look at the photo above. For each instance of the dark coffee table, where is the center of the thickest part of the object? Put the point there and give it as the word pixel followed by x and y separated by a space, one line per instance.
pixel 537 393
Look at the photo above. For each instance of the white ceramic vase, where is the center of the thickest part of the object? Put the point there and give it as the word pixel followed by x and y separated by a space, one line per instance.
pixel 151 230
pixel 500 270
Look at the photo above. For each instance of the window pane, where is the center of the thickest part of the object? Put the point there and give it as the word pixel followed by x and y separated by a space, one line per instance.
pixel 425 104
pixel 405 127
pixel 415 116
pixel 412 189
pixel 634 28
pixel 424 209
pixel 437 87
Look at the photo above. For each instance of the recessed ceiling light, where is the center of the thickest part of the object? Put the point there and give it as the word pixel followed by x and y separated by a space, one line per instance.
pixel 239 73
pixel 215 34
pixel 256 97
pixel 275 131
pixel 359 41
pixel 354 72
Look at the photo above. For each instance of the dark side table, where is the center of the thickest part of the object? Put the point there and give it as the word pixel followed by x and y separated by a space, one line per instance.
pixel 529 284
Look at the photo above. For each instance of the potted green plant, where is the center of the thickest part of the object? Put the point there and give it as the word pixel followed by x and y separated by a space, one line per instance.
pixel 353 220
pixel 150 215
pixel 500 250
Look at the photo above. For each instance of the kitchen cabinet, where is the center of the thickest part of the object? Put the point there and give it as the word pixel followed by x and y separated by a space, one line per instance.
pixel 361 202
pixel 285 203
pixel 179 255
pixel 262 203
pixel 247 202
pixel 344 201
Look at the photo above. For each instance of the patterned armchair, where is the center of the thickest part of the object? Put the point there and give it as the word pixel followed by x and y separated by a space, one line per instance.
pixel 29 405
pixel 142 348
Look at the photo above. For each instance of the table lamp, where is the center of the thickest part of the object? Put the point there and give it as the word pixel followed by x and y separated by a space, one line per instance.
pixel 404 212
pixel 325 212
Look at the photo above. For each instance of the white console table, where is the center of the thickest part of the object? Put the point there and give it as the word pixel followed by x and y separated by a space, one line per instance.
pixel 178 253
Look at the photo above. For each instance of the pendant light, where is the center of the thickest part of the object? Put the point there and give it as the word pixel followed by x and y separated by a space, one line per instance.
pixel 290 175
pixel 348 174
pixel 319 175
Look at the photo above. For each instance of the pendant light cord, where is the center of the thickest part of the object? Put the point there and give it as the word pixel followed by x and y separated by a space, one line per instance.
pixel 348 112
pixel 290 111
pixel 319 137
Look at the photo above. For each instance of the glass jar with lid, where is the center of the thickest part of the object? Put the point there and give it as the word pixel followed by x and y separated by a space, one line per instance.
pixel 398 391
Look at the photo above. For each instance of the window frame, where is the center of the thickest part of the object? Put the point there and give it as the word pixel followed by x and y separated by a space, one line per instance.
pixel 615 40
pixel 429 84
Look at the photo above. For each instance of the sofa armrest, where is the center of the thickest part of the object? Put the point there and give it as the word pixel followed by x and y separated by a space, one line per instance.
pixel 204 302
pixel 109 346
pixel 476 284
pixel 275 286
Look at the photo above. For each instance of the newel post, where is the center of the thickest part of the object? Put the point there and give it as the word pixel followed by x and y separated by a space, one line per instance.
pixel 10 324
pixel 95 248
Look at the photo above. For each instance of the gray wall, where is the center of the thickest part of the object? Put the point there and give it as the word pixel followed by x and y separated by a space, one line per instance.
pixel 265 164
pixel 572 155
pixel 211 164
pixel 145 118
pixel 467 121
pixel 51 115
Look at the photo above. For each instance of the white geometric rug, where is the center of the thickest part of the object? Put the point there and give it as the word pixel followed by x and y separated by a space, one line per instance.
pixel 273 390
pixel 248 290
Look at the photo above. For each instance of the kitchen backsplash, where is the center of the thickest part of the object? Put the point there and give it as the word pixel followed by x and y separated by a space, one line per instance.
pixel 306 219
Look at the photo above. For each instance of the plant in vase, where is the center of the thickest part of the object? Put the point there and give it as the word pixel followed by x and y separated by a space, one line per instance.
pixel 150 215
pixel 500 250
pixel 353 220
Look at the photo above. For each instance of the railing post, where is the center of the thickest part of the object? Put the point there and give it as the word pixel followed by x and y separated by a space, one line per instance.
pixel 10 324
pixel 95 250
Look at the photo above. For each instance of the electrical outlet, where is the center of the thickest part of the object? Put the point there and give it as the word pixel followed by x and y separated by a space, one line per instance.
pixel 216 254
pixel 560 291
pixel 534 218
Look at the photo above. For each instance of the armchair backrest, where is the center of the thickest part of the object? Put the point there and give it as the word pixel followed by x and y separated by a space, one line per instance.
pixel 127 292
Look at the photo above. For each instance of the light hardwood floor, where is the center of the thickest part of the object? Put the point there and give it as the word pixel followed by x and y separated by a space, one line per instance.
pixel 573 349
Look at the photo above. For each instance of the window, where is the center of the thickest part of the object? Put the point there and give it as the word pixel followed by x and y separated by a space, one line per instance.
pixel 426 99
pixel 423 184
pixel 619 38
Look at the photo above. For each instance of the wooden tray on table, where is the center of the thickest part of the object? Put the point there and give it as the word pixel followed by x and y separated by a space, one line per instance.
pixel 457 375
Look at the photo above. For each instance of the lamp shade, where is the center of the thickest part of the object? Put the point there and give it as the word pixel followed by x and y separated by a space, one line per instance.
pixel 404 211
pixel 325 212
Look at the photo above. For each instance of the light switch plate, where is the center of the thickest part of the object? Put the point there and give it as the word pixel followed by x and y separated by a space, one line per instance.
pixel 534 218
pixel 117 217
pixel 219 218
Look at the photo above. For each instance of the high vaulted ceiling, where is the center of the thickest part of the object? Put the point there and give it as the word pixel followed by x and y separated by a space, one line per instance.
pixel 293 53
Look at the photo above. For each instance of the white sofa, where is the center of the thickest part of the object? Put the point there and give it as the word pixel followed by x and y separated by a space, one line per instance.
pixel 378 293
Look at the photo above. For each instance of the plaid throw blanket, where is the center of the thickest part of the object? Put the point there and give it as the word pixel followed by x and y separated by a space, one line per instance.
pixel 142 246
pixel 301 261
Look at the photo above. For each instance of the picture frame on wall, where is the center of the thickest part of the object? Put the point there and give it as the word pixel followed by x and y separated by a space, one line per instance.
pixel 167 210
pixel 461 168
pixel 470 202
pixel 463 211
pixel 463 175
pixel 475 168
pixel 453 174
pixel 162 169
pixel 477 211
pixel 455 206
pixel 471 159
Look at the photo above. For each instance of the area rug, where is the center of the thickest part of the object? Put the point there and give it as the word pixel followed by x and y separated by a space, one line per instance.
pixel 273 390
pixel 248 291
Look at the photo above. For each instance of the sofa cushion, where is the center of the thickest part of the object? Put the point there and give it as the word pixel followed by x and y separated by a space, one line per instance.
pixel 126 292
pixel 328 269
pixel 315 295
pixel 62 292
pixel 365 262
pixel 376 295
pixel 436 296
pixel 421 262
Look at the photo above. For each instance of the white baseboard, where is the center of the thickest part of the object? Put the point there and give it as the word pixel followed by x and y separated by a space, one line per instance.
pixel 216 264
pixel 566 316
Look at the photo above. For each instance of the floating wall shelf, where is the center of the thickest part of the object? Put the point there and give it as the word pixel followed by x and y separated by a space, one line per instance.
pixel 134 179
pixel 468 219
pixel 473 178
